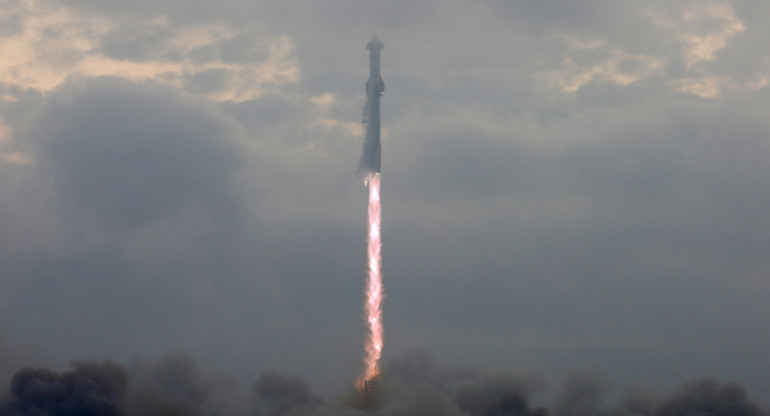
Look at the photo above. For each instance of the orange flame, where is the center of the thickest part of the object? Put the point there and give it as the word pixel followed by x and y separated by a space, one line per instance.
pixel 374 292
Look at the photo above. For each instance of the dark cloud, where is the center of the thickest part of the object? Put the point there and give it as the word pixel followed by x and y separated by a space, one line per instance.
pixel 172 386
pixel 709 396
pixel 277 394
pixel 132 153
pixel 495 396
pixel 416 366
pixel 90 388
pixel 582 394
pixel 614 225
pixel 176 385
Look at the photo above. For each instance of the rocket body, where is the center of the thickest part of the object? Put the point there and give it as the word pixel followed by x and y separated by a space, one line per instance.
pixel 370 159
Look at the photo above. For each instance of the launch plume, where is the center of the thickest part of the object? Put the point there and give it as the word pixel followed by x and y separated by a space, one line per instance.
pixel 411 384
pixel 374 292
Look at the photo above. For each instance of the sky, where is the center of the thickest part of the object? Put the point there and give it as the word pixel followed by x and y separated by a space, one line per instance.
pixel 565 185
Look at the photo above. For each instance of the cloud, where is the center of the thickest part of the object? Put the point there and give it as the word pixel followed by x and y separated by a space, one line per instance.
pixel 614 66
pixel 20 158
pixel 709 396
pixel 89 388
pixel 53 43
pixel 15 356
pixel 133 153
pixel 277 394
pixel 172 385
pixel 582 394
pixel 704 29
pixel 564 185
pixel 628 44
pixel 176 384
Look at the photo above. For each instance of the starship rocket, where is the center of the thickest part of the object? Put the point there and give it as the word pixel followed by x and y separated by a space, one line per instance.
pixel 370 159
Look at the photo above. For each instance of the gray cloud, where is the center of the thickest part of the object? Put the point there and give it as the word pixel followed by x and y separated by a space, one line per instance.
pixel 129 154
pixel 709 396
pixel 137 43
pixel 90 388
pixel 277 394
pixel 582 394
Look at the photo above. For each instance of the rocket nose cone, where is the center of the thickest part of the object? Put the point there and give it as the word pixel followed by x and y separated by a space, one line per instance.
pixel 375 44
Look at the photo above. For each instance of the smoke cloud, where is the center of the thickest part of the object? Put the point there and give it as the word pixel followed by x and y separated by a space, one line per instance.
pixel 412 384
pixel 89 388
pixel 276 394
pixel 582 394
pixel 709 397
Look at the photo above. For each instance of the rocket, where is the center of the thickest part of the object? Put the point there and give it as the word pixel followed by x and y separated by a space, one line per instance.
pixel 370 159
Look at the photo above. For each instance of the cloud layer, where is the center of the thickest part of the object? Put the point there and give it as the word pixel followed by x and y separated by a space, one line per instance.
pixel 564 185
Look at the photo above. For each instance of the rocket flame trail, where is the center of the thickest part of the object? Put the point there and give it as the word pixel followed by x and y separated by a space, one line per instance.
pixel 374 292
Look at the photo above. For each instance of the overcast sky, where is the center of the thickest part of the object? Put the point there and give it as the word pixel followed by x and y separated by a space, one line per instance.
pixel 566 184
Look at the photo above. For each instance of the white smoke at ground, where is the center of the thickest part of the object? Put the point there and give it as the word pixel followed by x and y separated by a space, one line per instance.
pixel 412 384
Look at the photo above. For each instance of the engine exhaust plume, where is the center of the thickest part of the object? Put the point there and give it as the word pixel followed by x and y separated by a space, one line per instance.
pixel 374 291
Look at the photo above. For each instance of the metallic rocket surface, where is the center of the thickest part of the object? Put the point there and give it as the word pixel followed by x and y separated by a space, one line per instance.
pixel 370 159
